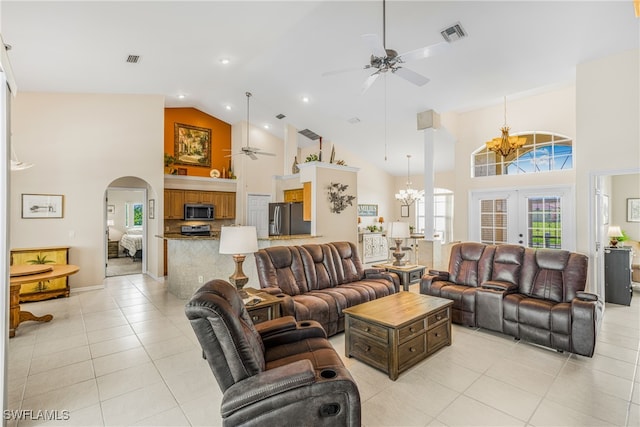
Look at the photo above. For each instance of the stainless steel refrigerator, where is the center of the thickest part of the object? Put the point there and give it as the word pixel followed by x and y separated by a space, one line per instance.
pixel 287 219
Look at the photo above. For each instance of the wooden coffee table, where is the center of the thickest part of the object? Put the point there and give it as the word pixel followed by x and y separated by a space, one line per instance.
pixel 396 332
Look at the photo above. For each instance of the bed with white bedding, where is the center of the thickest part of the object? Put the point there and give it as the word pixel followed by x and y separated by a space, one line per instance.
pixel 131 243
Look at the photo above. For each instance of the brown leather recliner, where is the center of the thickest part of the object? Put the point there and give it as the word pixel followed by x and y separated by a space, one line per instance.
pixel 279 371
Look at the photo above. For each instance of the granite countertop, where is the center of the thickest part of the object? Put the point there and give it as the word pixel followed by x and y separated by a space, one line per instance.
pixel 289 237
pixel 177 236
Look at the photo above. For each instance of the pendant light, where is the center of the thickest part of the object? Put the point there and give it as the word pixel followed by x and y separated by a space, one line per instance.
pixel 409 195
pixel 505 144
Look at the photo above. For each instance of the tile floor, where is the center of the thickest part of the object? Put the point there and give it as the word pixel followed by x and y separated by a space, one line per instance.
pixel 126 355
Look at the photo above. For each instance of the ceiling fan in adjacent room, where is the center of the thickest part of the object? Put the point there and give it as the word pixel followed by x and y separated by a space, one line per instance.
pixel 384 60
pixel 247 149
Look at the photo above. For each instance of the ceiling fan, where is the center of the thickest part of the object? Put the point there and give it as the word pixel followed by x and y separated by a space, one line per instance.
pixel 384 60
pixel 247 149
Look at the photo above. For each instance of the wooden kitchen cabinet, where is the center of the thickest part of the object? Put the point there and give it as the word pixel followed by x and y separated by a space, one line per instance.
pixel 46 255
pixel 306 201
pixel 173 204
pixel 225 204
pixel 296 195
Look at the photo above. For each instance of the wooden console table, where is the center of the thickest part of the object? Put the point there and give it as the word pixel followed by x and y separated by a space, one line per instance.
pixel 21 274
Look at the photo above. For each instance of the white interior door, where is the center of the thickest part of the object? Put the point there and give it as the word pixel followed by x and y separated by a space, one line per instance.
pixel 258 213
pixel 532 217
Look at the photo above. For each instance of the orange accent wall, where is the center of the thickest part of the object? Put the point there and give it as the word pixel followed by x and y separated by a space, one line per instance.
pixel 220 137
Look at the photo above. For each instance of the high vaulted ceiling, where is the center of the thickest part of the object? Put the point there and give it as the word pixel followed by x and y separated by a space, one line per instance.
pixel 279 51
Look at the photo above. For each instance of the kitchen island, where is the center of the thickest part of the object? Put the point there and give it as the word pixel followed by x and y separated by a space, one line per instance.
pixel 194 260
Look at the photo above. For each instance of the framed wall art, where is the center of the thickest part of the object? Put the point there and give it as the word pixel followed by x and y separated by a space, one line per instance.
pixel 367 210
pixel 633 210
pixel 152 208
pixel 192 145
pixel 42 206
pixel 404 211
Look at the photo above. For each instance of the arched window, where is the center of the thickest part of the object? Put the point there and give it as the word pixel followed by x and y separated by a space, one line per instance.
pixel 542 152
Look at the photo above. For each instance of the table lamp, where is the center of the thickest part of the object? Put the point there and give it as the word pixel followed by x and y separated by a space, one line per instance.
pixel 398 231
pixel 614 232
pixel 238 241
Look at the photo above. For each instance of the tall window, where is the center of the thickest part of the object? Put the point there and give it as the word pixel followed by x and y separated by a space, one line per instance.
pixel 541 153
pixel 442 215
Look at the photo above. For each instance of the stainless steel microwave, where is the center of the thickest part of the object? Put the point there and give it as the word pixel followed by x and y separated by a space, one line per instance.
pixel 200 212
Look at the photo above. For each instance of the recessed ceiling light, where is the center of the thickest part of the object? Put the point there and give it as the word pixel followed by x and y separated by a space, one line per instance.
pixel 181 96
pixel 305 99
pixel 227 107
pixel 224 61
pixel 266 126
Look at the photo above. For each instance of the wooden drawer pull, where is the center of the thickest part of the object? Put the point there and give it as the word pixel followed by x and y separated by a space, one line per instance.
pixel 412 350
pixel 437 335
pixel 439 317
pixel 411 329
pixel 254 318
pixel 366 329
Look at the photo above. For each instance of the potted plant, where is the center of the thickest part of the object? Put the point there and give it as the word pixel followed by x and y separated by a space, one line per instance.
pixel 169 160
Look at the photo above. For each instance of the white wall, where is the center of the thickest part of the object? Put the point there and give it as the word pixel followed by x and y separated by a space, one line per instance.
pixel 80 143
pixel 624 187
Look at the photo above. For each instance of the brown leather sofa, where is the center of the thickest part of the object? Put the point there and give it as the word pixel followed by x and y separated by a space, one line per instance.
pixel 532 294
pixel 321 280
pixel 279 372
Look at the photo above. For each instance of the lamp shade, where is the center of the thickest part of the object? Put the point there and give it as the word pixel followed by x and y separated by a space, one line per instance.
pixel 614 231
pixel 238 240
pixel 399 230
pixel 110 222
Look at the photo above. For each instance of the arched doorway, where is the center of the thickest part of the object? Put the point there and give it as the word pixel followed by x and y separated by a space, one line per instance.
pixel 126 226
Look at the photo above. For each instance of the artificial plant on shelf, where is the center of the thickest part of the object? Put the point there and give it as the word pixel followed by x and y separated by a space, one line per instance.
pixel 169 161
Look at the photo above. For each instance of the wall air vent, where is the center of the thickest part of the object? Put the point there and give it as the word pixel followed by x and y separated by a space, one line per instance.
pixel 280 116
pixel 133 59
pixel 453 33
pixel 309 134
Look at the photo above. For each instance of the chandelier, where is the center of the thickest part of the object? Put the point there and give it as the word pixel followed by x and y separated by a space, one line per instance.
pixel 409 195
pixel 505 144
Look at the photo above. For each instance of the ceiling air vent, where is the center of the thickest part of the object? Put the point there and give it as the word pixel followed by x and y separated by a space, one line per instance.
pixel 309 134
pixel 280 116
pixel 133 59
pixel 354 120
pixel 453 33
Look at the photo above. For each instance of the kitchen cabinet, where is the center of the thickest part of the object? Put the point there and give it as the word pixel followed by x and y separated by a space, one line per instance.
pixel 296 195
pixel 173 204
pixel 45 255
pixel 306 201
pixel 617 275
pixel 174 200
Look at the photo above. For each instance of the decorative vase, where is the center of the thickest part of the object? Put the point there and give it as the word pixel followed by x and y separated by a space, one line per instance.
pixel 294 168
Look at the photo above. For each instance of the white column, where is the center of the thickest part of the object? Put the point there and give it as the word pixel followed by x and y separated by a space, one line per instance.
pixel 429 178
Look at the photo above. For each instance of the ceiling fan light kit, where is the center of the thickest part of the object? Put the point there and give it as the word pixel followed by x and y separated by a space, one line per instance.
pixel 248 150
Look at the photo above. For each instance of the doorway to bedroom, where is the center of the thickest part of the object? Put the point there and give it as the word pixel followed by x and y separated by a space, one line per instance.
pixel 125 224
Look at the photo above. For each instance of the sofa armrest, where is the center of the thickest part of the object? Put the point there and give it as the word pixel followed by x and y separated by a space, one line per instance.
pixel 373 270
pixel 444 275
pixel 496 285
pixel 383 274
pixel 586 315
pixel 267 384
pixel 586 296
pixel 303 330
pixel 273 290
pixel 276 326
pixel 428 279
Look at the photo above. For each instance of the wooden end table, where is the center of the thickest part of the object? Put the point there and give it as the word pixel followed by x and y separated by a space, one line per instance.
pixel 394 333
pixel 267 309
pixel 409 274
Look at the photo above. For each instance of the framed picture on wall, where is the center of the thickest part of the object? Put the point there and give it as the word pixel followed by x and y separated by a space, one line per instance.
pixel 633 210
pixel 42 205
pixel 367 210
pixel 152 208
pixel 404 211
pixel 192 145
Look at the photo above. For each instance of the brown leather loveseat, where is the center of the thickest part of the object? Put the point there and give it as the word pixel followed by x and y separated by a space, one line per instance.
pixel 532 294
pixel 321 280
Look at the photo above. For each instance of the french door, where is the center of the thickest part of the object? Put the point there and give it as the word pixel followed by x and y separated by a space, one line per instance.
pixel 532 217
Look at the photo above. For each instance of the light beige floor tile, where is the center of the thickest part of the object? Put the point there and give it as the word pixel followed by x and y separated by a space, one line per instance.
pixel 154 336
pixel 57 378
pixel 504 397
pixel 75 396
pixel 59 359
pixel 100 335
pixel 605 364
pixel 137 405
pixel 439 369
pixel 121 360
pixel 43 348
pixel 539 358
pixel 521 376
pixel 553 414
pixel 85 417
pixel 104 320
pixel 388 409
pixel 174 417
pixel 179 363
pixel 465 411
pixel 634 415
pixel 126 380
pixel 418 393
pixel 143 316
pixel 616 352
pixel 189 385
pixel 603 382
pixel 178 344
pixel 205 410
pixel 115 345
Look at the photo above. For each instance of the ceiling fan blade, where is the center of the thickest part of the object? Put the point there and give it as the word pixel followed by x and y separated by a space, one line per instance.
pixel 252 155
pixel 344 70
pixel 374 44
pixel 411 76
pixel 264 153
pixel 370 80
pixel 424 52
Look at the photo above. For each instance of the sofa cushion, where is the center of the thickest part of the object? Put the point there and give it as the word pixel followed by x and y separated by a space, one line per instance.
pixel 507 262
pixel 348 266
pixel 470 263
pixel 318 265
pixel 282 267
pixel 553 274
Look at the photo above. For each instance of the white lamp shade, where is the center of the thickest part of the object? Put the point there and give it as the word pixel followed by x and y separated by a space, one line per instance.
pixel 110 222
pixel 238 240
pixel 614 231
pixel 399 230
